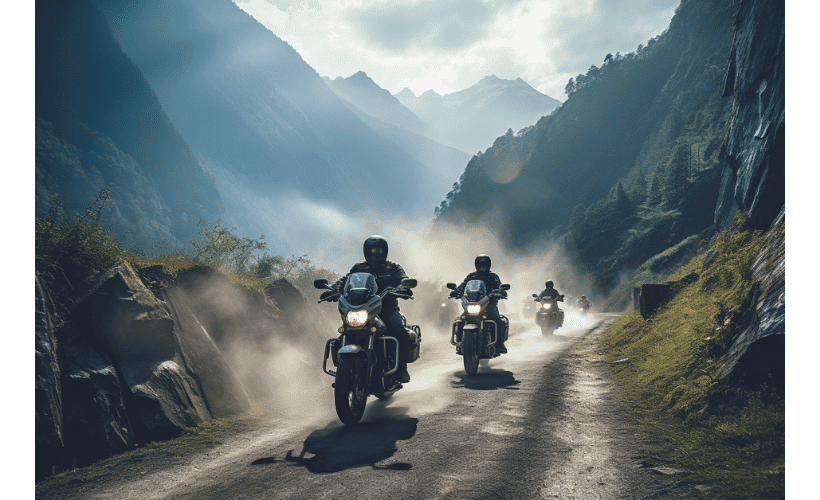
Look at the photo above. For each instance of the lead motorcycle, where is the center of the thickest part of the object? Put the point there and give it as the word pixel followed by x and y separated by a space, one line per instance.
pixel 365 357
pixel 473 334
pixel 549 316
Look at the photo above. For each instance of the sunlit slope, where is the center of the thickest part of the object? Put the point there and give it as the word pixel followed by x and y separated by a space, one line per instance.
pixel 652 121
pixel 250 105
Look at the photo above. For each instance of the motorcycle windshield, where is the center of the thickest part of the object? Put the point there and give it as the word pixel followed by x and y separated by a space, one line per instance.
pixel 474 290
pixel 360 288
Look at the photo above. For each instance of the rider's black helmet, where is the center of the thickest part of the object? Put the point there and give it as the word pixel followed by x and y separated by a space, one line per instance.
pixel 583 297
pixel 548 284
pixel 375 249
pixel 483 263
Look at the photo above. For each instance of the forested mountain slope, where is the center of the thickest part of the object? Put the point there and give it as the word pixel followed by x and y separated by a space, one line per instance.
pixel 627 167
pixel 100 126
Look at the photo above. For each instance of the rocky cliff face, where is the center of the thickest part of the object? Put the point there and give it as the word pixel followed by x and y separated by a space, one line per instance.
pixel 753 180
pixel 754 172
pixel 759 353
pixel 134 361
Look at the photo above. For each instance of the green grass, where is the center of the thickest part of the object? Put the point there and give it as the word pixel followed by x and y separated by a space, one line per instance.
pixel 722 434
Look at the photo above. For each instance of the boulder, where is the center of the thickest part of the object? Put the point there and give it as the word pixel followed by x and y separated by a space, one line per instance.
pixel 653 296
pixel 222 389
pixel 231 313
pixel 758 354
pixel 136 328
pixel 753 177
pixel 286 296
pixel 48 411
pixel 95 420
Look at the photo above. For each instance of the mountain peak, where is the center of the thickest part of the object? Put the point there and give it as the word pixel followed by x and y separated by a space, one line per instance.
pixel 406 92
pixel 361 78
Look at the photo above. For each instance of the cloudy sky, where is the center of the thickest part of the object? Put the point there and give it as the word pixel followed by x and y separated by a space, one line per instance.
pixel 449 45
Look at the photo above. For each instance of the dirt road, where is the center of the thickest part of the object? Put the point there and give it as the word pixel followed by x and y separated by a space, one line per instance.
pixel 543 421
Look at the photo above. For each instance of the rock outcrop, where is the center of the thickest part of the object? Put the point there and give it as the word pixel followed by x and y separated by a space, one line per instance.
pixel 95 418
pixel 759 352
pixel 229 312
pixel 138 332
pixel 753 180
pixel 223 391
pixel 753 177
pixel 48 413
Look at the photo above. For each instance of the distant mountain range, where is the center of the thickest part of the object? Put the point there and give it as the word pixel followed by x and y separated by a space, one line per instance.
pixel 392 120
pixel 276 138
pixel 471 119
pixel 189 110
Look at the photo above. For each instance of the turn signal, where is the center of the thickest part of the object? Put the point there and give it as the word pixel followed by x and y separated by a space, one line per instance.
pixel 341 329
pixel 373 329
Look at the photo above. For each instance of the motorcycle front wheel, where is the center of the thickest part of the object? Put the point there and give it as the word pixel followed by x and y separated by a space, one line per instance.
pixel 471 351
pixel 547 331
pixel 349 394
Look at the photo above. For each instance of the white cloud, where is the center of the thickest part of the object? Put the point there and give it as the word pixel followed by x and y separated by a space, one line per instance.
pixel 449 45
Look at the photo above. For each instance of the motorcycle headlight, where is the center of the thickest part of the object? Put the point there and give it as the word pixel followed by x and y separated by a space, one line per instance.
pixel 473 308
pixel 356 318
pixel 547 305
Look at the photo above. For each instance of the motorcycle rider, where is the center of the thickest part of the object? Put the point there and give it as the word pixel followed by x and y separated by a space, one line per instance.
pixel 549 292
pixel 388 274
pixel 493 284
pixel 583 302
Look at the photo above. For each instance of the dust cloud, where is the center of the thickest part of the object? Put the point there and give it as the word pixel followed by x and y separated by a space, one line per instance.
pixel 280 361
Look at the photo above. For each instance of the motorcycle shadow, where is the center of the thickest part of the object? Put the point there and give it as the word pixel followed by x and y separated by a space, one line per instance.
pixel 338 447
pixel 487 379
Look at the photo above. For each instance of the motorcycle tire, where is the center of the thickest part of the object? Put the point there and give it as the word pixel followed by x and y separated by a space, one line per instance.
pixel 471 351
pixel 349 393
pixel 547 331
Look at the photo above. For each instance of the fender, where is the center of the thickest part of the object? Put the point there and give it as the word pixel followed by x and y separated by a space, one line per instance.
pixel 350 349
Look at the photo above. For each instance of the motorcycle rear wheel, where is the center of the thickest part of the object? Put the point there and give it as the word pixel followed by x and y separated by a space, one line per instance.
pixel 471 350
pixel 350 395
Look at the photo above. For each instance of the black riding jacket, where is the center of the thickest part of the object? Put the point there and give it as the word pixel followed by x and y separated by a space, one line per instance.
pixel 490 279
pixel 551 293
pixel 388 274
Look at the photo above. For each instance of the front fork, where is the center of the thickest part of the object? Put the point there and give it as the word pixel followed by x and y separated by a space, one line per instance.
pixel 456 341
pixel 332 347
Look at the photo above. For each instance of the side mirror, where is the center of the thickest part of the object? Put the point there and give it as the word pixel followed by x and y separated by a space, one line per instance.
pixel 505 286
pixel 535 295
pixel 321 284
pixel 451 286
pixel 409 283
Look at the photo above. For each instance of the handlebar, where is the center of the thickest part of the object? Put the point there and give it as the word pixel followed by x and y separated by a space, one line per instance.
pixel 397 291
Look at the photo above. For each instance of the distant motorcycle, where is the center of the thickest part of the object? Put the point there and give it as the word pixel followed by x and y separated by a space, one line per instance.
pixel 366 359
pixel 473 335
pixel 584 306
pixel 549 316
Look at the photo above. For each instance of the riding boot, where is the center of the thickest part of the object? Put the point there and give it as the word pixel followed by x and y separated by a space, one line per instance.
pixel 499 345
pixel 404 348
pixel 402 374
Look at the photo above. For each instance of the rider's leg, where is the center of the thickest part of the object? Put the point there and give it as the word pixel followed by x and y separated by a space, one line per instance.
pixel 395 328
pixel 493 314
